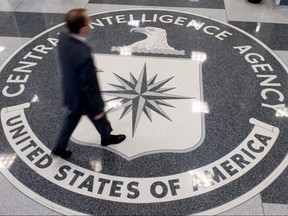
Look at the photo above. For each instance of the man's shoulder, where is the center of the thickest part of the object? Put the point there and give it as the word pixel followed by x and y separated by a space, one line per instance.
pixel 64 36
pixel 73 45
pixel 67 38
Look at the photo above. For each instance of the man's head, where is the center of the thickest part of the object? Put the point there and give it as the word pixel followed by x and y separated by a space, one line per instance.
pixel 77 21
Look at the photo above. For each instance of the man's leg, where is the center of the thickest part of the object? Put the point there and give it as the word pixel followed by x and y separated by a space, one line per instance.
pixel 70 124
pixel 104 128
pixel 102 125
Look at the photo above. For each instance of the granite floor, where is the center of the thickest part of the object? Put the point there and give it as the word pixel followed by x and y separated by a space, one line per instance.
pixel 199 87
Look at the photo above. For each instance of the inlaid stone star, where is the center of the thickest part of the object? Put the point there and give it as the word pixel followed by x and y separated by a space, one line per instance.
pixel 140 95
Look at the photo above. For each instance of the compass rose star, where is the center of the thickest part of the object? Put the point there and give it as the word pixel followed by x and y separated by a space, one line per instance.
pixel 140 95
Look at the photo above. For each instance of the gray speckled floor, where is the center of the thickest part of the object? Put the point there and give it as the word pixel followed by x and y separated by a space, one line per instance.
pixel 212 137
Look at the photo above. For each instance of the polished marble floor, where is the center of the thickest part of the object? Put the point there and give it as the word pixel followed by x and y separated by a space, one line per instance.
pixel 199 87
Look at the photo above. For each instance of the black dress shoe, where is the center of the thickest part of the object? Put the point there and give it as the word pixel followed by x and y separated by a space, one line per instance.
pixel 64 155
pixel 114 139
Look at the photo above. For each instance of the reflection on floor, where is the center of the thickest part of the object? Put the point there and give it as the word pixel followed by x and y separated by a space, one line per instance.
pixel 204 108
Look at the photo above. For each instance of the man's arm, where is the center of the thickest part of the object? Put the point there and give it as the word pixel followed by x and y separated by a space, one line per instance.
pixel 90 88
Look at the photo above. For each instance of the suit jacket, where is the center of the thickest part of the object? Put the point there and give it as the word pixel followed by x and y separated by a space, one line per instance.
pixel 79 82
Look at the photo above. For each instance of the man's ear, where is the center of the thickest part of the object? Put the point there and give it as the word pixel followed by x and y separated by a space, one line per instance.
pixel 81 31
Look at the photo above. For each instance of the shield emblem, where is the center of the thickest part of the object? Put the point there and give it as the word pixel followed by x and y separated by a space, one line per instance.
pixel 157 102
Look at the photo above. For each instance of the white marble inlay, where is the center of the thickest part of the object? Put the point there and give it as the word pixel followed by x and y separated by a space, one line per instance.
pixel 177 128
pixel 51 6
pixel 248 12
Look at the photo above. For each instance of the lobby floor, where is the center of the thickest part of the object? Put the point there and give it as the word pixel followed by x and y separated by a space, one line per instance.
pixel 200 88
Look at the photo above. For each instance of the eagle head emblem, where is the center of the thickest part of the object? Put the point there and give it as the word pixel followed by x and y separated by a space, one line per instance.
pixel 155 42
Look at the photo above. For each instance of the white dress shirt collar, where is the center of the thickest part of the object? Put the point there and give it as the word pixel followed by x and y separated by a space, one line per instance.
pixel 80 38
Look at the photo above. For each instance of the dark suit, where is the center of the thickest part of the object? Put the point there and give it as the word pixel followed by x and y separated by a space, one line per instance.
pixel 81 91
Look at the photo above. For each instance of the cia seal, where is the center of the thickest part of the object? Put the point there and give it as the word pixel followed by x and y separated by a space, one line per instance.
pixel 203 104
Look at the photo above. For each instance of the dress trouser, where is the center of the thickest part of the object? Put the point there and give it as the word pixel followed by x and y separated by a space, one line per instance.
pixel 102 125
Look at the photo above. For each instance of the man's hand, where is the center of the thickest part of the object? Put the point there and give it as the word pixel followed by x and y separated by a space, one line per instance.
pixel 99 116
pixel 98 70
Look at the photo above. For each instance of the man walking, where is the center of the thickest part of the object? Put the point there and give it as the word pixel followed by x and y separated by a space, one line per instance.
pixel 81 91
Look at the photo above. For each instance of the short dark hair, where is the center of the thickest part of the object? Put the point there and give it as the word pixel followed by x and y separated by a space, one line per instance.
pixel 75 20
